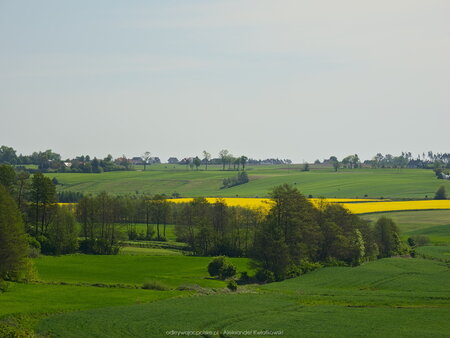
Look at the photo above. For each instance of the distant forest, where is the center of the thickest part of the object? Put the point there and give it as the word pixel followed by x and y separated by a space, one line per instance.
pixel 49 161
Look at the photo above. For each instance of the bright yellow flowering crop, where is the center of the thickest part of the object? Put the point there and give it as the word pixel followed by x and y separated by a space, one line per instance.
pixel 233 202
pixel 363 207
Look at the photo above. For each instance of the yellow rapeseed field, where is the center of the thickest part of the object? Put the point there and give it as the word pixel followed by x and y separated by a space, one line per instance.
pixel 251 203
pixel 364 208
pixel 356 206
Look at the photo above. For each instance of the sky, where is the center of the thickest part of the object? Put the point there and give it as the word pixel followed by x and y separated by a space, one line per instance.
pixel 293 79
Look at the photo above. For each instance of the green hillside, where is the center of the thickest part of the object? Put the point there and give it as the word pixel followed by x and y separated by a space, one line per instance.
pixel 350 183
pixel 389 298
pixel 435 224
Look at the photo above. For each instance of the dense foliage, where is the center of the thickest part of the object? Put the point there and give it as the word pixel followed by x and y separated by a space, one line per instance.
pixel 295 235
pixel 221 267
pixel 13 242
pixel 240 178
pixel 216 229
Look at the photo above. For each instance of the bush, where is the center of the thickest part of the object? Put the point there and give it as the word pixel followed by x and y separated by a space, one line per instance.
pixel 240 178
pixel 420 240
pixel 155 285
pixel 411 242
pixel 34 247
pixel 245 278
pixel 332 261
pixel 232 285
pixel 221 268
pixel 265 276
pixel 227 271
pixel 307 266
pixel 441 193
pixel 44 244
pixel 4 285
pixel 98 247
pixel 215 265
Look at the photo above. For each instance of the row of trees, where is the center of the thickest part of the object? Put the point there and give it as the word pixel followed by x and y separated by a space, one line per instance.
pixel 56 230
pixel 100 215
pixel 225 159
pixel 216 229
pixel 406 159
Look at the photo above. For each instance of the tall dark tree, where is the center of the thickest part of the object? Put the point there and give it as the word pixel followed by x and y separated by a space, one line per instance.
pixel 8 155
pixel 291 226
pixel 63 232
pixel 206 158
pixel 145 208
pixel 13 244
pixel 96 166
pixel 146 159
pixel 335 162
pixel 22 187
pixel 224 155
pixel 43 199
pixel 387 237
pixel 160 213
pixel 197 162
pixel 243 160
pixel 8 177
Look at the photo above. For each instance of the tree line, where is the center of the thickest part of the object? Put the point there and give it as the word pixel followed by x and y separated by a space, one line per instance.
pixel 436 161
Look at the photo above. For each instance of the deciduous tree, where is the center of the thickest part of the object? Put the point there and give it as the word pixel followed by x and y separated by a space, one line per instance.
pixel 13 244
pixel 206 158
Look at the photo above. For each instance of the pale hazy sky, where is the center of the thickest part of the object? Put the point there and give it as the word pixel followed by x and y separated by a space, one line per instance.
pixel 280 78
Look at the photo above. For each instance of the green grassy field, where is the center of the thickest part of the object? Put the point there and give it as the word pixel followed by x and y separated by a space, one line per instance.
pixel 435 224
pixel 128 250
pixel 133 270
pixel 142 229
pixel 346 183
pixel 389 298
pixel 80 282
pixel 43 298
pixel 435 252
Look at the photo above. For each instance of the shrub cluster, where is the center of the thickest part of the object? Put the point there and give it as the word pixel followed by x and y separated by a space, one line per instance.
pixel 221 267
pixel 155 285
pixel 240 178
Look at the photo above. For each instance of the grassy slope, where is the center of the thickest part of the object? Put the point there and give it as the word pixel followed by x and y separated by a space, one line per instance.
pixel 137 251
pixel 132 270
pixel 394 183
pixel 32 298
pixel 24 304
pixel 436 252
pixel 433 223
pixel 390 297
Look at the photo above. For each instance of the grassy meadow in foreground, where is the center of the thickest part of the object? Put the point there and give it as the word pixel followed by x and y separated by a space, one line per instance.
pixel 102 296
pixel 391 297
pixel 324 182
